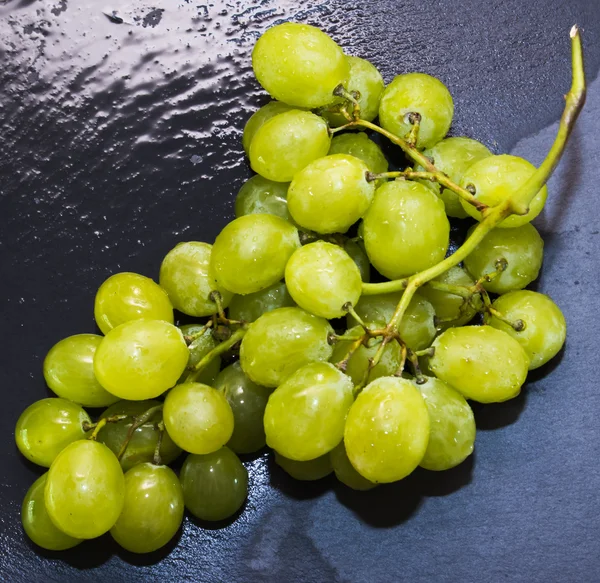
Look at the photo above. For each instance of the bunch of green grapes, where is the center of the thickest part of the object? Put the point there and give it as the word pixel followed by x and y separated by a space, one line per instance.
pixel 321 366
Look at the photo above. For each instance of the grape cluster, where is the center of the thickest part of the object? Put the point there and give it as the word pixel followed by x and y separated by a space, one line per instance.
pixel 293 347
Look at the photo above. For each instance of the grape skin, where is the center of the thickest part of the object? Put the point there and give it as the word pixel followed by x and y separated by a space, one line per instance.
pixel 345 472
pixel 252 306
pixel 259 118
pixel 259 195
pixel 362 147
pixel 307 471
pixel 199 348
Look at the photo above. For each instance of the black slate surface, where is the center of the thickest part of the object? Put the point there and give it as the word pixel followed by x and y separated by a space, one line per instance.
pixel 118 140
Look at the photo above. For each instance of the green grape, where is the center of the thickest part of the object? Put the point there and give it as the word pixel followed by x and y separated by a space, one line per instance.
pixel 282 341
pixel 495 179
pixel 299 64
pixel 144 439
pixel 247 401
pixel 261 196
pixel 480 362
pixel 307 471
pixel 330 194
pixel 405 229
pixel 252 306
pixel 85 489
pixel 46 427
pixel 288 142
pixel 452 423
pixel 215 485
pixel 358 255
pixel 69 371
pixel 367 80
pixel 258 118
pixel 422 94
pixel 322 278
pixel 523 249
pixel 305 415
pixel 153 509
pixel 129 296
pixel 250 253
pixel 37 524
pixel 141 359
pixel 545 327
pixel 200 347
pixel 387 430
pixel 198 418
pixel 345 472
pixel 453 156
pixel 359 145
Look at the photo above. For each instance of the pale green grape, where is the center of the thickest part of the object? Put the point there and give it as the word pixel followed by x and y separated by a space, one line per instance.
pixel 359 145
pixel 141 359
pixel 452 423
pixel 405 229
pixel 330 194
pixel 482 363
pixel 305 415
pixel 307 471
pixel 37 524
pixel 250 253
pixel 199 348
pixel 387 430
pixel 422 94
pixel 248 402
pixel 359 257
pixel 85 489
pixel 261 196
pixel 258 118
pixel 69 371
pixel 288 142
pixel 129 296
pixel 186 276
pixel 495 179
pixel 345 472
pixel 299 64
pixel 152 511
pixel 545 326
pixel 282 341
pixel 252 306
pixel 215 485
pixel 322 278
pixel 198 418
pixel 523 249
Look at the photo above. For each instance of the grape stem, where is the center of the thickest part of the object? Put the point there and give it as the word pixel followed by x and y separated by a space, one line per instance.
pixel 160 426
pixel 100 424
pixel 414 119
pixel 191 338
pixel 404 174
pixel 414 361
pixel 137 422
pixel 220 349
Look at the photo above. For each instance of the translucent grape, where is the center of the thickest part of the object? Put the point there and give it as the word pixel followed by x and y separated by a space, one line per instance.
pixel 250 253
pixel 482 363
pixel 261 196
pixel 307 471
pixel 359 257
pixel 252 306
pixel 305 415
pixel 345 472
pixel 186 276
pixel 202 344
pixel 359 145
pixel 215 485
pixel 299 64
pixel 258 118
pixel 141 359
pixel 282 341
pixel 129 296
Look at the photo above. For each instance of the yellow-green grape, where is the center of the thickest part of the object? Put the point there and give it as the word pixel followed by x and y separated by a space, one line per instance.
pixel 259 195
pixel 37 524
pixel 141 359
pixel 85 489
pixel 187 277
pixel 545 326
pixel 522 248
pixel 202 344
pixel 287 143
pixel 252 306
pixel 359 257
pixel 367 80
pixel 69 371
pixel 248 402
pixel 198 418
pixel 250 253
pixel 453 156
pixel 359 145
pixel 406 229
pixel 387 430
pixel 46 427
pixel 307 471
pixel 282 341
pixel 129 296
pixel 422 94
pixel 322 278
pixel 305 415
pixel 215 485
pixel 345 472
pixel 452 426
pixel 496 178
pixel 258 118
pixel 299 64
pixel 153 509
pixel 480 362
pixel 330 194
